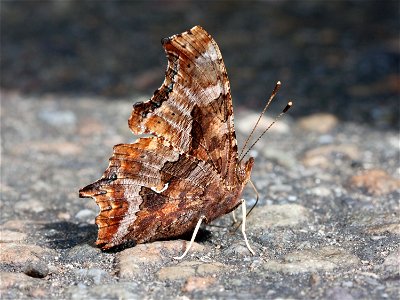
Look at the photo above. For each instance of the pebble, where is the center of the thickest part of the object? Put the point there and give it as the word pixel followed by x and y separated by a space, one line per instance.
pixel 375 182
pixel 321 122
pixel 176 272
pixel 322 156
pixel 85 214
pixel 324 259
pixel 94 275
pixel 187 269
pixel 11 236
pixel 195 283
pixel 320 191
pixel 132 261
pixel 237 249
pixel 270 216
pixel 245 122
pixel 117 290
pixel 13 284
pixel 391 263
pixel 58 118
pixel 36 269
pixel 377 224
pixel 19 254
pixel 338 293
pixel 31 205
pixel 285 159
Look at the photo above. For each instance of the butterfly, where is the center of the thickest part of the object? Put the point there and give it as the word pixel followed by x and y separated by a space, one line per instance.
pixel 188 171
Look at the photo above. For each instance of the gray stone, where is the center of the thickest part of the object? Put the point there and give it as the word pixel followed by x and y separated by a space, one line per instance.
pixel 94 275
pixel 58 118
pixel 269 216
pixel 36 269
pixel 11 236
pixel 105 291
pixel 31 205
pixel 132 261
pixel 338 293
pixel 12 253
pixel 85 214
pixel 313 260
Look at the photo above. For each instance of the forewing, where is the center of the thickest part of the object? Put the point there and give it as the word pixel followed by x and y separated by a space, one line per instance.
pixel 193 107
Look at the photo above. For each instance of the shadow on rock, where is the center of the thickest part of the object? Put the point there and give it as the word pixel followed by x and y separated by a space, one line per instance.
pixel 65 235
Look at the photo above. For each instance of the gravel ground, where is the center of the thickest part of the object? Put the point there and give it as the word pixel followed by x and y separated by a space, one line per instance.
pixel 327 225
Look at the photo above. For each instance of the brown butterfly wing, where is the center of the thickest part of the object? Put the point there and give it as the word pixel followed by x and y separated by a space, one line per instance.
pixel 159 187
pixel 150 191
pixel 193 107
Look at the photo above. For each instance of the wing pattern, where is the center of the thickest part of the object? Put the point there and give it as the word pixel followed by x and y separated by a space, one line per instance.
pixel 159 186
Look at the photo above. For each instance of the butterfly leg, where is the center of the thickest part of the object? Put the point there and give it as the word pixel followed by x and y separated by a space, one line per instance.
pixel 234 218
pixel 244 226
pixel 192 239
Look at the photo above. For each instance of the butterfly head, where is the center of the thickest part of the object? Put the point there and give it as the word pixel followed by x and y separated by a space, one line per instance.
pixel 244 170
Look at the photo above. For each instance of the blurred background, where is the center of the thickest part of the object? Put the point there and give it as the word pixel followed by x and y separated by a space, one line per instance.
pixel 339 57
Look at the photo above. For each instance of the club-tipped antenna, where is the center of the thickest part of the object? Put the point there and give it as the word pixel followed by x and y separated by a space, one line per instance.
pixel 274 92
pixel 288 106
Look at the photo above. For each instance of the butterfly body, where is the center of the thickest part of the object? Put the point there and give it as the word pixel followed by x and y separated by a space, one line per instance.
pixel 160 186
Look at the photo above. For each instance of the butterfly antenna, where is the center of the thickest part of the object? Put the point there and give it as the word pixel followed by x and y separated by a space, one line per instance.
pixel 284 111
pixel 274 92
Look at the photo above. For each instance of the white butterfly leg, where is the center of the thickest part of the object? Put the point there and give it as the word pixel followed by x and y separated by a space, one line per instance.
pixel 244 226
pixel 196 229
pixel 234 217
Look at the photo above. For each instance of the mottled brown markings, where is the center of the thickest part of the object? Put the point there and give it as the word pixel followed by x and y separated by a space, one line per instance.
pixel 184 58
pixel 151 200
pixel 204 54
pixel 195 185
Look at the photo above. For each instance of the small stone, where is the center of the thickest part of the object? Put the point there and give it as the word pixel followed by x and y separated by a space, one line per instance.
pixel 63 216
pixel 313 260
pixel 245 121
pixel 116 290
pixel 15 225
pixel 278 215
pixel 36 269
pixel 321 191
pixel 198 283
pixel 210 268
pixel 282 158
pixel 176 272
pixel 315 279
pixel 12 253
pixel 384 228
pixel 377 224
pixel 323 156
pixel 85 214
pixel 7 236
pixel 375 182
pixel 19 280
pixel 186 269
pixel 321 123
pixel 93 274
pixel 61 148
pixel 132 261
pixel 338 293
pixel 237 249
pixel 393 259
pixel 58 118
pixel 31 205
